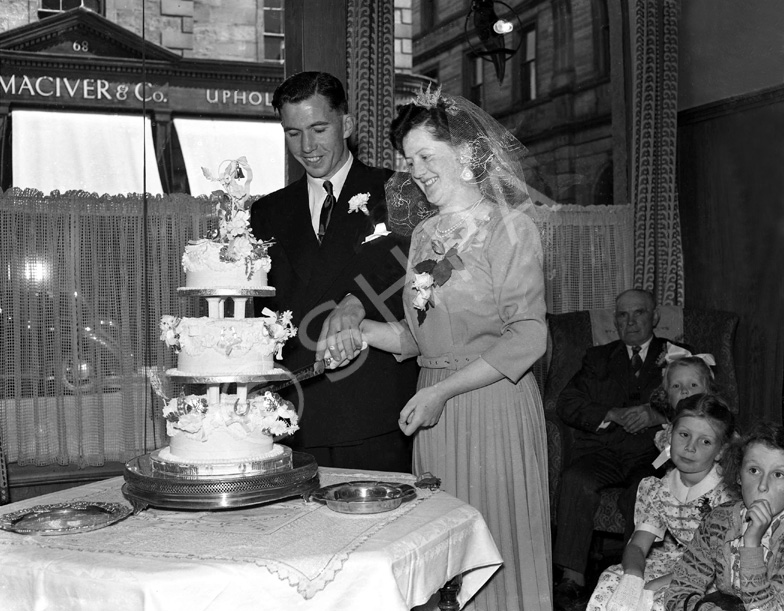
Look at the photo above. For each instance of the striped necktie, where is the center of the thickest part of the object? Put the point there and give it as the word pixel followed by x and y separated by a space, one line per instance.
pixel 636 360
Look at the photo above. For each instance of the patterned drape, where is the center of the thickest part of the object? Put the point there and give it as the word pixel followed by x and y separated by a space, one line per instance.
pixel 658 251
pixel 370 52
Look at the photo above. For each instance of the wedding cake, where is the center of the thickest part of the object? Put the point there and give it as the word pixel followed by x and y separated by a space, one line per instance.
pixel 217 434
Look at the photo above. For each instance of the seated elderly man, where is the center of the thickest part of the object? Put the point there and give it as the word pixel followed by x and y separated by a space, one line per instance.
pixel 606 403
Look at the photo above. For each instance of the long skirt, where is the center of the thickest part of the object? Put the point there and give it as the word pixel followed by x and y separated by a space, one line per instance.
pixel 490 450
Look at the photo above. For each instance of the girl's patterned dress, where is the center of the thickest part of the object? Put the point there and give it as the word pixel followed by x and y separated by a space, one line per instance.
pixel 668 509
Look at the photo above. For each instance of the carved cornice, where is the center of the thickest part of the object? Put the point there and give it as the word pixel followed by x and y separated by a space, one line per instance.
pixel 193 70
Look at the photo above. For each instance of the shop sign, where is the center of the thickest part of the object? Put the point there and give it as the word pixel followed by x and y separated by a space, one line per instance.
pixel 48 88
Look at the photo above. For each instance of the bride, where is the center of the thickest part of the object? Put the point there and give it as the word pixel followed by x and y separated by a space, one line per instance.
pixel 475 319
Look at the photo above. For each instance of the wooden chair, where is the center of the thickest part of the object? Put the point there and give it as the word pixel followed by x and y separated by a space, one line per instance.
pixel 571 334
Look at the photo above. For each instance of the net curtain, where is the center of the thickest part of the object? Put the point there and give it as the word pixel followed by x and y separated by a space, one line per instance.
pixel 85 280
pixel 658 249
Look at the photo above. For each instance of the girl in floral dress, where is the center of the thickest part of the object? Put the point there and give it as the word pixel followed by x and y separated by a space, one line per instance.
pixel 735 560
pixel 475 318
pixel 669 509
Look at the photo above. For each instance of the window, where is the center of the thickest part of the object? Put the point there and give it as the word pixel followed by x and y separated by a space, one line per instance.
pixel 562 36
pixel 476 78
pixel 527 56
pixel 53 7
pixel 603 189
pixel 601 38
pixel 429 11
pixel 272 30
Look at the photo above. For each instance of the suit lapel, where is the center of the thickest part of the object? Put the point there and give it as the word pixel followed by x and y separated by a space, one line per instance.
pixel 649 366
pixel 345 233
pixel 619 366
pixel 293 232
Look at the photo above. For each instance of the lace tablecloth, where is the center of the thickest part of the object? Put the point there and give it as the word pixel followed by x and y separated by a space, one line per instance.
pixel 288 555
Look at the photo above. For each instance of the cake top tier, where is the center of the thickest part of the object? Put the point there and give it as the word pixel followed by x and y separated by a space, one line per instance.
pixel 232 204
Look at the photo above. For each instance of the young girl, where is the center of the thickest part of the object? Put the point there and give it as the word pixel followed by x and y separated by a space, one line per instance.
pixel 738 548
pixel 684 375
pixel 674 504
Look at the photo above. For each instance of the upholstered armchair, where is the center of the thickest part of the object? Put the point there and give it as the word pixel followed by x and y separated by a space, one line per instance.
pixel 572 333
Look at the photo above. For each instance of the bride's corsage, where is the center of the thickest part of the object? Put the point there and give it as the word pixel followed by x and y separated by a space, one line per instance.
pixel 430 274
pixel 359 202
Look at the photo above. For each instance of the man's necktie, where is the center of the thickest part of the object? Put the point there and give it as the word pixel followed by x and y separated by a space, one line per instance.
pixel 326 210
pixel 636 360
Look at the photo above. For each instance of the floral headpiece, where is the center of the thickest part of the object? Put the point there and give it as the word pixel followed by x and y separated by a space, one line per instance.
pixel 231 204
pixel 430 99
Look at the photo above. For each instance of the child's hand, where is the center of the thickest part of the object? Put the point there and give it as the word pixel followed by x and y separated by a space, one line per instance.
pixel 760 516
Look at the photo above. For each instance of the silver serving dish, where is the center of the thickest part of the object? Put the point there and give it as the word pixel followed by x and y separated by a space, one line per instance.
pixel 364 496
pixel 64 518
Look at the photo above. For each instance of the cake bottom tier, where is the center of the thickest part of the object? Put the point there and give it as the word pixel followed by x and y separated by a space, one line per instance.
pixel 278 459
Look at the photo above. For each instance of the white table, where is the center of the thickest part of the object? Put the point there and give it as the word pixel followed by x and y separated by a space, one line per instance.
pixel 290 555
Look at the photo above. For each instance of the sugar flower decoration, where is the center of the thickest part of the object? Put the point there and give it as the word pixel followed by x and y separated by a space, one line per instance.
pixel 359 202
pixel 234 233
pixel 192 416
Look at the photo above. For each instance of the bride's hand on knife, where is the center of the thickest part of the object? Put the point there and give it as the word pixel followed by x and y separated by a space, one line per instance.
pixel 423 410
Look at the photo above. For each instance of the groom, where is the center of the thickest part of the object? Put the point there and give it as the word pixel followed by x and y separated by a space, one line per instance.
pixel 321 257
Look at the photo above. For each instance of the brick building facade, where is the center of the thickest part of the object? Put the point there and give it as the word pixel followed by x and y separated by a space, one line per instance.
pixel 557 90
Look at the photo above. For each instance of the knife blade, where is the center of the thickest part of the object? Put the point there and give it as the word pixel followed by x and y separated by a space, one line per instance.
pixel 300 375
pixel 304 373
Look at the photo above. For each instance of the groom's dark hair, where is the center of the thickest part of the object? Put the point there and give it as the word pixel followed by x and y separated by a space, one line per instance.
pixel 303 85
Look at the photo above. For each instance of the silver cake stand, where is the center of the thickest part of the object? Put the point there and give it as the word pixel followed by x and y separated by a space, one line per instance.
pixel 145 488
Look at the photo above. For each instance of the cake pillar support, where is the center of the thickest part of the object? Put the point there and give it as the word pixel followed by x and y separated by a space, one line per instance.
pixel 239 307
pixel 242 392
pixel 213 394
pixel 215 306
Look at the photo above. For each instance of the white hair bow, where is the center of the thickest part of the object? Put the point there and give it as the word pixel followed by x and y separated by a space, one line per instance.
pixel 676 352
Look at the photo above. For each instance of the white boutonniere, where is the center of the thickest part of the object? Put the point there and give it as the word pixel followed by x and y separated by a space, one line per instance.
pixel 359 202
pixel 378 232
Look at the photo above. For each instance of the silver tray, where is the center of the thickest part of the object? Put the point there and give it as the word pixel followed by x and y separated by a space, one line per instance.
pixel 364 496
pixel 264 291
pixel 64 518
pixel 228 378
pixel 144 487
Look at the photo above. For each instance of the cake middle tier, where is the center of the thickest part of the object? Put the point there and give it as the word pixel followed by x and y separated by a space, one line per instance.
pixel 225 346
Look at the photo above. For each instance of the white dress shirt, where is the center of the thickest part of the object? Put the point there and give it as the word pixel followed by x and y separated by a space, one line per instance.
pixel 317 194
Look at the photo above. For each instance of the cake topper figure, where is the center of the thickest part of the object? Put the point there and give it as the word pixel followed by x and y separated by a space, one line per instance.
pixel 232 205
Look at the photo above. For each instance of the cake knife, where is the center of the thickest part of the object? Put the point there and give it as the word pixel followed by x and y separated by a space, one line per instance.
pixel 305 373
pixel 300 375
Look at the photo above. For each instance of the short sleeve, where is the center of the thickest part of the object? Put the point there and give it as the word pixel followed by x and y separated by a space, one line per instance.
pixel 649 508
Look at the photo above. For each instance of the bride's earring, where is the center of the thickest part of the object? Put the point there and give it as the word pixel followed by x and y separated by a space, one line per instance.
pixel 467 175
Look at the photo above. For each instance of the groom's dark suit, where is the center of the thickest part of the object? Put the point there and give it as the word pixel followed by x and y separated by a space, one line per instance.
pixel 340 408
pixel 606 457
